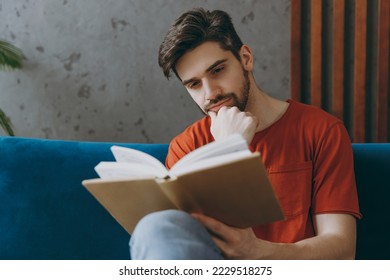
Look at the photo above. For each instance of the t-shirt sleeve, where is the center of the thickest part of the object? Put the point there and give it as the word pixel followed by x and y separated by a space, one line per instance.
pixel 334 188
pixel 194 136
pixel 179 147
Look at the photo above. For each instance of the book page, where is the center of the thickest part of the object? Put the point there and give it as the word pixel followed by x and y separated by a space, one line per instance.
pixel 128 170
pixel 208 163
pixel 122 154
pixel 231 144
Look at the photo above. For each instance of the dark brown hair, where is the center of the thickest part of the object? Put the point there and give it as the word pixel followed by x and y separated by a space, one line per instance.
pixel 192 29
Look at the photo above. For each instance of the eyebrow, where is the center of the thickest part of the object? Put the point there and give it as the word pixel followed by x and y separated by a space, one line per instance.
pixel 212 66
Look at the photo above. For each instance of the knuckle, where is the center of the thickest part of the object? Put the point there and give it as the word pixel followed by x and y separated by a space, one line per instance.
pixel 223 109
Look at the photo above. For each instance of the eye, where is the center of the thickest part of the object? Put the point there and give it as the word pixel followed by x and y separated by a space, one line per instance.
pixel 193 85
pixel 218 70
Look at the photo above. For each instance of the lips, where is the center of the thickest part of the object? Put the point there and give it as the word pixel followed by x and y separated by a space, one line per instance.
pixel 215 107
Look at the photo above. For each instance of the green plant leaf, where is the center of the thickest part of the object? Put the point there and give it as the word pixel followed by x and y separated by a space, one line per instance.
pixel 5 123
pixel 11 57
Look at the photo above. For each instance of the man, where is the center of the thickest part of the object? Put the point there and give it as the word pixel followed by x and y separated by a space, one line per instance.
pixel 306 151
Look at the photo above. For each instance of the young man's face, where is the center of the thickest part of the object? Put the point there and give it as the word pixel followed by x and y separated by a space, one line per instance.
pixel 215 77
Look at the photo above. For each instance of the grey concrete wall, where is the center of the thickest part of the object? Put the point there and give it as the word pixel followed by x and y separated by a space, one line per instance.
pixel 91 70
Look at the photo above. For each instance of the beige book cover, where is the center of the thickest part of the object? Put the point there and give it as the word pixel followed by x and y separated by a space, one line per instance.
pixel 237 193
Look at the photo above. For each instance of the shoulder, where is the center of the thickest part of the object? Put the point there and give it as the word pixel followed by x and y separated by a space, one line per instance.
pixel 324 133
pixel 312 114
pixel 314 120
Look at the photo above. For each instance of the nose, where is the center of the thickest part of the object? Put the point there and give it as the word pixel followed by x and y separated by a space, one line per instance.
pixel 211 90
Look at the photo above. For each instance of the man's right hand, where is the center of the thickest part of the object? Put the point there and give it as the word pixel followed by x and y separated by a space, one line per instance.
pixel 230 120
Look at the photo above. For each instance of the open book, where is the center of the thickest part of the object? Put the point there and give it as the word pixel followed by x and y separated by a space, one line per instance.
pixel 222 179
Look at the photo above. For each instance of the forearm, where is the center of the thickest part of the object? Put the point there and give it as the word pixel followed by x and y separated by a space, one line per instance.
pixel 335 239
pixel 326 246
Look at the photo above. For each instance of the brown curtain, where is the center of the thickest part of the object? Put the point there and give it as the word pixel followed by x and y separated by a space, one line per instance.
pixel 340 62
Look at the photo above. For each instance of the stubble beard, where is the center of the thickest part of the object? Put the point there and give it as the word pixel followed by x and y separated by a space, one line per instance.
pixel 237 102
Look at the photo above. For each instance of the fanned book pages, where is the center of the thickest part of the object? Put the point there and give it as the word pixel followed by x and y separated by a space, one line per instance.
pixel 132 163
pixel 222 179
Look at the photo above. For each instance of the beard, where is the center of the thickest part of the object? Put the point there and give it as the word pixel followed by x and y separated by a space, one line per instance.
pixel 238 102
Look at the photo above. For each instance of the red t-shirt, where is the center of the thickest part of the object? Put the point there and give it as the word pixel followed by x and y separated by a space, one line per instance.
pixel 309 161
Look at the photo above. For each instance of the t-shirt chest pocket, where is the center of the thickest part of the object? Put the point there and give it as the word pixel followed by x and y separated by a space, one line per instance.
pixel 293 187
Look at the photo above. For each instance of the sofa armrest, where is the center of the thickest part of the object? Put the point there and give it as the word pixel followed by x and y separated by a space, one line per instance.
pixel 372 171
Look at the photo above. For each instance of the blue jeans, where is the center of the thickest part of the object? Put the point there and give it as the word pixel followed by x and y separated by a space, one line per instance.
pixel 172 235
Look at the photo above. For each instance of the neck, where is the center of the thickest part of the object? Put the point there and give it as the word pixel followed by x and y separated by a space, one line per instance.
pixel 265 108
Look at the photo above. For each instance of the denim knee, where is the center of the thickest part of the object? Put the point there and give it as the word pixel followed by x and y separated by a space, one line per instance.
pixel 156 224
pixel 155 221
pixel 171 234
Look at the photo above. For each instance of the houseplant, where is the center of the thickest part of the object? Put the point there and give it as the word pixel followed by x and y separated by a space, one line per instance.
pixel 10 59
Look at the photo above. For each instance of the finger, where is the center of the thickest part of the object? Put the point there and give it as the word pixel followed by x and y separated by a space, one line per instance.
pixel 214 226
pixel 218 240
pixel 221 244
pixel 212 115
pixel 234 109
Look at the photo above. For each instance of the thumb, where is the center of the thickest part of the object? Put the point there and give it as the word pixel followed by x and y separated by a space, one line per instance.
pixel 212 115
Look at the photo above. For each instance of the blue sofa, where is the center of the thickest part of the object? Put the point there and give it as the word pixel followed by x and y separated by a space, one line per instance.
pixel 45 213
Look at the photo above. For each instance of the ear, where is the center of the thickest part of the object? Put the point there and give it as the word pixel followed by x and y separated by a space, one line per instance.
pixel 246 57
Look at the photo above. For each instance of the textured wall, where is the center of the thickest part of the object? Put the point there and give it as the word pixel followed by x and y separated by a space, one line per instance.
pixel 91 70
